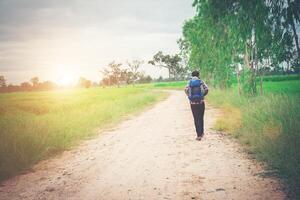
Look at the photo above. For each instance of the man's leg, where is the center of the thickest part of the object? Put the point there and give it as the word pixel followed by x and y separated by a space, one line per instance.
pixel 196 110
pixel 201 118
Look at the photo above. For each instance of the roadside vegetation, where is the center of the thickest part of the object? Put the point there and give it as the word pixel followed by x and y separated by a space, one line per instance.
pixel 35 125
pixel 268 125
pixel 237 45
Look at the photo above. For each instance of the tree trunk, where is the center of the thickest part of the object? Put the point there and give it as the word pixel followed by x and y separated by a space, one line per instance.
pixel 246 56
pixel 261 84
pixel 294 29
pixel 251 78
pixel 256 67
pixel 239 83
pixel 237 72
pixel 118 83
pixel 296 38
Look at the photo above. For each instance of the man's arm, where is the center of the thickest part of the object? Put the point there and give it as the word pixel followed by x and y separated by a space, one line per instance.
pixel 205 89
pixel 186 90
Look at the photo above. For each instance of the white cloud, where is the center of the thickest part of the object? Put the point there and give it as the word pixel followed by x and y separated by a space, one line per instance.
pixel 36 37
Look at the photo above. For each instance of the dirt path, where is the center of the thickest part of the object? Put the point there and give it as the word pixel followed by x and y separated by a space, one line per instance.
pixel 152 156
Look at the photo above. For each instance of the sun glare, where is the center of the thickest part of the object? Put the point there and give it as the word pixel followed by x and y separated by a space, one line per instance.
pixel 66 78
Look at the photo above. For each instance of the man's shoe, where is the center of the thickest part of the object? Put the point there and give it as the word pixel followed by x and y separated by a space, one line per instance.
pixel 198 138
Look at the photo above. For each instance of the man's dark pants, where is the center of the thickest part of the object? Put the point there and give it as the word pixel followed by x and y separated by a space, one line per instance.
pixel 198 114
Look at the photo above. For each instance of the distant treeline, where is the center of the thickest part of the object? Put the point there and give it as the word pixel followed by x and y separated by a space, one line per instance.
pixel 33 85
pixel 118 74
pixel 36 85
pixel 130 73
pixel 114 74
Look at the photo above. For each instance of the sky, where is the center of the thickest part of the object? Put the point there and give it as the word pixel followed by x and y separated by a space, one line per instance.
pixel 56 40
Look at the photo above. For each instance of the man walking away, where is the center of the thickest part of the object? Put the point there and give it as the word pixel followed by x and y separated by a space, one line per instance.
pixel 196 90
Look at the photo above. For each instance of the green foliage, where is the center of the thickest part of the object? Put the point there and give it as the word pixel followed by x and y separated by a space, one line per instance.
pixel 209 51
pixel 171 62
pixel 249 82
pixel 241 36
pixel 37 124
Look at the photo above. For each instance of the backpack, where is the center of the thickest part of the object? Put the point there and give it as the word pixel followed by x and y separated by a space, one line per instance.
pixel 195 92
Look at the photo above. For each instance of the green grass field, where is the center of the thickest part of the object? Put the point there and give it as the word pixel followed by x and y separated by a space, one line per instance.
pixel 35 125
pixel 170 85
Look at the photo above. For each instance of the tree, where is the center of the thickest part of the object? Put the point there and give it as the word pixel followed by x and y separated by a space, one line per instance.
pixel 95 84
pixel 160 79
pixel 35 81
pixel 2 81
pixel 47 85
pixel 293 19
pixel 127 76
pixel 83 82
pixel 222 32
pixel 170 62
pixel 25 86
pixel 207 45
pixel 112 74
pixel 144 79
pixel 134 69
pixel 184 54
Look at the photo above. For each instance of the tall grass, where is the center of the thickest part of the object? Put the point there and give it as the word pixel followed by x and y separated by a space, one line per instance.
pixel 36 124
pixel 269 125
